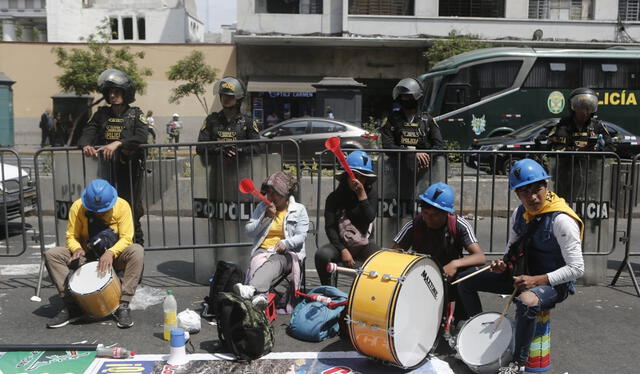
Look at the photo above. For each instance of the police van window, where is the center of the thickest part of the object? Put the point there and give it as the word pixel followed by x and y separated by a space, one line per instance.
pixel 607 74
pixel 321 127
pixel 471 84
pixel 293 128
pixel 553 73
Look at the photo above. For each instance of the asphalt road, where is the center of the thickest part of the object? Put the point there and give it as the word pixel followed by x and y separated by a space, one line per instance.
pixel 594 331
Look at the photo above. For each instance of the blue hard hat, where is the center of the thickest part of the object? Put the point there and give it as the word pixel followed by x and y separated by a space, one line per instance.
pixel 361 162
pixel 526 171
pixel 439 195
pixel 99 196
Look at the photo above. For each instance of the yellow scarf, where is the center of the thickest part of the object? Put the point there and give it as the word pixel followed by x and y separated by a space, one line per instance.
pixel 554 203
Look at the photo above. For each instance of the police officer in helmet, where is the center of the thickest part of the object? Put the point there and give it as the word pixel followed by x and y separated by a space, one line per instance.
pixel 411 128
pixel 580 131
pixel 115 133
pixel 228 124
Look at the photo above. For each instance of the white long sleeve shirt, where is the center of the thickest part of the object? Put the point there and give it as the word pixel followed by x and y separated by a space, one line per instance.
pixel 567 232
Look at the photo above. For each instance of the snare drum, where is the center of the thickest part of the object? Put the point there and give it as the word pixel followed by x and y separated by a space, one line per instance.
pixel 395 308
pixel 97 294
pixel 482 349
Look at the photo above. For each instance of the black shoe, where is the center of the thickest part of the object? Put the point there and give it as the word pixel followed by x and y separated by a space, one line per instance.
pixel 123 316
pixel 65 316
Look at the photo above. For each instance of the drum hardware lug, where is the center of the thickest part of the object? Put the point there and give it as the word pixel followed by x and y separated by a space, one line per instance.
pixel 390 332
pixel 349 321
pixel 372 274
pixel 389 277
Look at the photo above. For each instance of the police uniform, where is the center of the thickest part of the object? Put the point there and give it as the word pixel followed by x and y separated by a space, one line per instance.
pixel 420 132
pixel 400 132
pixel 130 128
pixel 216 127
pixel 568 136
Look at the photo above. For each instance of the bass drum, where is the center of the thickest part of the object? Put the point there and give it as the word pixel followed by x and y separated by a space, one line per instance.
pixel 483 348
pixel 395 308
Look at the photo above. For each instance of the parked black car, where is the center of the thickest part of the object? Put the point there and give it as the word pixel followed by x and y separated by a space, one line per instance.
pixel 524 139
pixel 311 134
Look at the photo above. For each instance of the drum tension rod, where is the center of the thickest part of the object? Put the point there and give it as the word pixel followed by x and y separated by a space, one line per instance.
pixel 349 321
pixel 376 328
pixel 389 277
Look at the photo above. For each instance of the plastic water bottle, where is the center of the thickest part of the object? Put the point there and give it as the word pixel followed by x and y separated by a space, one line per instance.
pixel 170 309
pixel 114 352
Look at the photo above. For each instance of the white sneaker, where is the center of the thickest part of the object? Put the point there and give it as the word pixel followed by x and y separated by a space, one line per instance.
pixel 244 290
pixel 260 301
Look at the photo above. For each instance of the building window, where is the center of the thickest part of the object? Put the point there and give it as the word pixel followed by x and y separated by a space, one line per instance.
pixel 472 8
pixel 562 9
pixel 628 10
pixel 28 4
pixel 382 7
pixel 289 6
pixel 115 35
pixel 127 28
pixel 142 28
pixel 13 4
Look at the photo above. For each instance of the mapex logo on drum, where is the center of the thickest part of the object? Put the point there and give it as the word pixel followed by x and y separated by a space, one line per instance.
pixel 429 284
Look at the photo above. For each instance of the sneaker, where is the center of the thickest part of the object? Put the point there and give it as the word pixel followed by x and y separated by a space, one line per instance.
pixel 243 290
pixel 65 316
pixel 260 302
pixel 513 368
pixel 123 316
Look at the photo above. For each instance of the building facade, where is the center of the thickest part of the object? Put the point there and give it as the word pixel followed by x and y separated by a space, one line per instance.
pixel 72 21
pixel 284 46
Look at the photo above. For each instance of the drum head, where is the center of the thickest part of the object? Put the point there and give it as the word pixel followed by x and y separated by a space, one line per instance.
pixel 477 343
pixel 418 312
pixel 86 279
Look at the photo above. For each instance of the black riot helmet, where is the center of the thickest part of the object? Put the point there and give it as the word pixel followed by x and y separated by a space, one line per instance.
pixel 408 86
pixel 583 98
pixel 114 78
pixel 231 86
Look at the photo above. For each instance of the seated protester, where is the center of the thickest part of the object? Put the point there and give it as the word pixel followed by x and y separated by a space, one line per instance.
pixel 278 231
pixel 545 234
pixel 349 212
pixel 99 214
pixel 441 234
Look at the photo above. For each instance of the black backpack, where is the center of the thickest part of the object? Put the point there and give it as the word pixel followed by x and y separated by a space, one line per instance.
pixel 242 328
pixel 227 274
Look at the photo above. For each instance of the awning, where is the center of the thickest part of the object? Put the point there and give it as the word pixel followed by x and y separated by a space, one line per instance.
pixel 281 85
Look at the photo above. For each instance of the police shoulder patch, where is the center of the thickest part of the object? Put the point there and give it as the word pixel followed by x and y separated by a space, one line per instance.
pixel 143 119
pixel 255 126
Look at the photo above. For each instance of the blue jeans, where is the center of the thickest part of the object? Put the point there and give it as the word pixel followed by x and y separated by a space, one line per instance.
pixel 502 283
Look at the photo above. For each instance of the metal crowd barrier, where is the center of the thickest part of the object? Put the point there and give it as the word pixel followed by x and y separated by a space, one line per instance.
pixel 632 187
pixel 17 201
pixel 483 196
pixel 188 202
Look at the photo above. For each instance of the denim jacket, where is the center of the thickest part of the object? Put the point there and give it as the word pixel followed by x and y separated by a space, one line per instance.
pixel 296 225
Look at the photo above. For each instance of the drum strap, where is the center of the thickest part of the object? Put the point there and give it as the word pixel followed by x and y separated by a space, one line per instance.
pixel 516 257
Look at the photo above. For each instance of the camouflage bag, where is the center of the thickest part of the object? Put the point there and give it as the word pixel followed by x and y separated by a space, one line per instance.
pixel 242 328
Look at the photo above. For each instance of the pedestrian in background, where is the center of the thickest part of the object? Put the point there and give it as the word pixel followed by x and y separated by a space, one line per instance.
pixel 46 126
pixel 174 127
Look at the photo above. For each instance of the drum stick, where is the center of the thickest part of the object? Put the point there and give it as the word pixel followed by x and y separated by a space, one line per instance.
pixel 333 267
pixel 472 274
pixel 504 311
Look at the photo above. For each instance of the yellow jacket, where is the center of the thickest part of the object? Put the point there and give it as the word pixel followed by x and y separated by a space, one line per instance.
pixel 119 218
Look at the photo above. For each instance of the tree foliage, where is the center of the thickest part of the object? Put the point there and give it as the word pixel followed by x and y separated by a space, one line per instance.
pixel 82 66
pixel 196 74
pixel 455 44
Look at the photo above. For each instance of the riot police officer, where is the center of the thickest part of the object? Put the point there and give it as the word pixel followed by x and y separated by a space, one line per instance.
pixel 116 132
pixel 579 131
pixel 228 124
pixel 410 128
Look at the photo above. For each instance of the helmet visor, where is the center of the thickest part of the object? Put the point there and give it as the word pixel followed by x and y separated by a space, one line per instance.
pixel 586 102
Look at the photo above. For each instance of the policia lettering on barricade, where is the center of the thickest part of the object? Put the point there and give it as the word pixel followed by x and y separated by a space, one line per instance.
pixel 122 128
pixel 229 124
pixel 409 128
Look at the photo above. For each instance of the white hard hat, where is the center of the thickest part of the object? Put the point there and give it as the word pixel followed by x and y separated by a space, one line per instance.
pixel 176 115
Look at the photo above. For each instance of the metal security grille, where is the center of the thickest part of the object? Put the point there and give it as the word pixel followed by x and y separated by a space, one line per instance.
pixel 472 8
pixel 538 9
pixel 382 7
pixel 628 10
